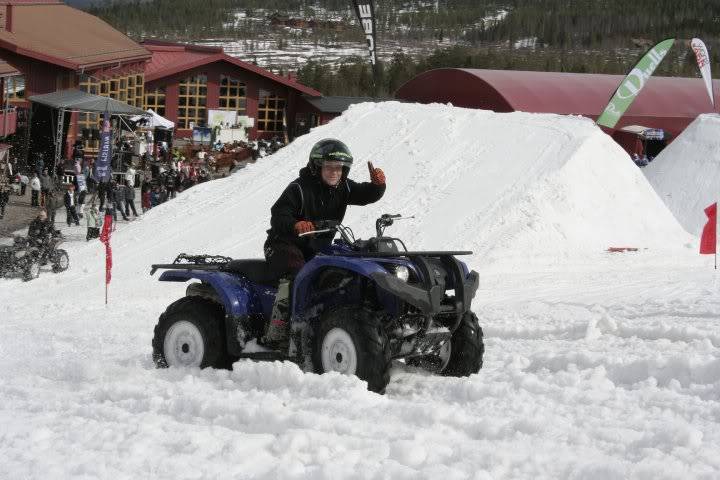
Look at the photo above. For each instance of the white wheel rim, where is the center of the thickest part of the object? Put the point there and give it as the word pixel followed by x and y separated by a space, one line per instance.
pixel 184 345
pixel 63 261
pixel 338 352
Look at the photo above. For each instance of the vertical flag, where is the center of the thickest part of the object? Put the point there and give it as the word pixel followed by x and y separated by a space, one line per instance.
pixel 708 240
pixel 633 83
pixel 365 11
pixel 103 168
pixel 703 62
pixel 105 238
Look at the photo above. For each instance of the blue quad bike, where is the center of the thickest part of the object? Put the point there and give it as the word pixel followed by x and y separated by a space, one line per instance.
pixel 354 308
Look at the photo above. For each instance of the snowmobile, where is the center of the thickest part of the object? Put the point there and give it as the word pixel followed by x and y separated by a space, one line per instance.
pixel 354 308
pixel 25 257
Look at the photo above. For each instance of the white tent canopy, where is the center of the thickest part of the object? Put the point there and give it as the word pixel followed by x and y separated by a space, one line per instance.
pixel 155 120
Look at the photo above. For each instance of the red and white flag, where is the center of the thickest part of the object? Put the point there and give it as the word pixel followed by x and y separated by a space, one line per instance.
pixel 708 240
pixel 703 62
pixel 105 238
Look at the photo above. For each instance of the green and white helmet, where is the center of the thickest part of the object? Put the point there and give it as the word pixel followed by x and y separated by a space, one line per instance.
pixel 331 150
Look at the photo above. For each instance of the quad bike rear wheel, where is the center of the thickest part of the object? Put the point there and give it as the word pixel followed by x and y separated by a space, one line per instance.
pixel 190 334
pixel 351 340
pixel 60 261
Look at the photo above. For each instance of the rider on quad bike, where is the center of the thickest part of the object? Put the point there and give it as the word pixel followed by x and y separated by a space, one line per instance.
pixel 40 229
pixel 321 192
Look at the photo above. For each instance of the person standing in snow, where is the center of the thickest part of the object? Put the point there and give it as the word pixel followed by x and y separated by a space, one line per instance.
pixel 130 176
pixel 47 184
pixel 39 164
pixel 35 191
pixel 81 190
pixel 24 180
pixel 145 200
pixel 118 200
pixel 322 192
pixel 155 197
pixel 170 184
pixel 129 200
pixel 51 205
pixel 70 206
pixel 94 222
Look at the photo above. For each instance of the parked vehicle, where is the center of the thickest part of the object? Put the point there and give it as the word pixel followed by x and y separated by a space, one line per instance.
pixel 25 257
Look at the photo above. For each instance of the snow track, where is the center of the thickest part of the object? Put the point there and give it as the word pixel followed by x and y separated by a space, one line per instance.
pixel 598 366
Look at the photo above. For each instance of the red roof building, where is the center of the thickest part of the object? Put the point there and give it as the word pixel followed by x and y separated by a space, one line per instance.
pixel 670 104
pixel 57 47
pixel 48 46
pixel 183 82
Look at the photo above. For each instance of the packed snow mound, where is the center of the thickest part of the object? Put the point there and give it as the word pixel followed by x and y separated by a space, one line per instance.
pixel 686 175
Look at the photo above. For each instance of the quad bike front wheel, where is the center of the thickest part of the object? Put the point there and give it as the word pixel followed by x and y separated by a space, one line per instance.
pixel 461 356
pixel 351 341
pixel 60 261
pixel 190 334
pixel 466 348
pixel 31 271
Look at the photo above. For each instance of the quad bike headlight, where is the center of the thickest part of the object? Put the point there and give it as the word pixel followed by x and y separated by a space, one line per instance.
pixel 401 272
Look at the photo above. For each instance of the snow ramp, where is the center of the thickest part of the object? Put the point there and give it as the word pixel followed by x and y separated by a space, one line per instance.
pixel 686 175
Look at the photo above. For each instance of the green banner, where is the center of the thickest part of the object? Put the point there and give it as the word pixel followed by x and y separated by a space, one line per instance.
pixel 633 83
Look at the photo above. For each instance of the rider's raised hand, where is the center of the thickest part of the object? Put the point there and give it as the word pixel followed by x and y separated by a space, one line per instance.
pixel 377 176
pixel 304 226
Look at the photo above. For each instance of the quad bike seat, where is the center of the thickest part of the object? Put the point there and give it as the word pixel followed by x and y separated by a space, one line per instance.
pixel 256 271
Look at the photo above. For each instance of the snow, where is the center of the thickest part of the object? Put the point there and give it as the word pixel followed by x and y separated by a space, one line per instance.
pixel 598 365
pixel 686 174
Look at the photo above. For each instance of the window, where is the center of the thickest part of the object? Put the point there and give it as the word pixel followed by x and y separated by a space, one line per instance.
pixel 232 94
pixel 155 99
pixel 271 112
pixel 192 101
pixel 15 88
pixel 127 88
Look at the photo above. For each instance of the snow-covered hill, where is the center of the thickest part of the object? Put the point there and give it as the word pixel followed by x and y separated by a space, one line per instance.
pixel 598 366
pixel 686 174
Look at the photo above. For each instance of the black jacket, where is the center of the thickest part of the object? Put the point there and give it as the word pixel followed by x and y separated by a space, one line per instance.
pixel 309 198
pixel 66 199
pixel 39 229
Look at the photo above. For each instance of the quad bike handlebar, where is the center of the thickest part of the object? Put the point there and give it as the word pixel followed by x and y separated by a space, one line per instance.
pixel 325 226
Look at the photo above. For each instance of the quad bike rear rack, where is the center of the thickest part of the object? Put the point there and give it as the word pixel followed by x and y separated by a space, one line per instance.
pixel 193 262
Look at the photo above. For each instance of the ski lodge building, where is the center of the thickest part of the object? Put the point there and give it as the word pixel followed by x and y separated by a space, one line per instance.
pixel 47 46
pixel 669 104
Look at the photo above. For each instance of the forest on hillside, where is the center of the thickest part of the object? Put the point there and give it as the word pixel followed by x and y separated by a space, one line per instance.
pixel 594 36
